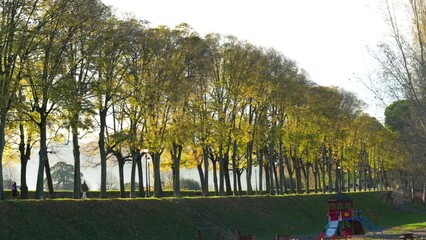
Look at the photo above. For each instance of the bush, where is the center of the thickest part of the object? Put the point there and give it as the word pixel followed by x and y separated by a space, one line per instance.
pixel 189 184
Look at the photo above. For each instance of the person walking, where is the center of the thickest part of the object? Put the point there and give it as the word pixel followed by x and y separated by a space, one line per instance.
pixel 14 190
pixel 84 189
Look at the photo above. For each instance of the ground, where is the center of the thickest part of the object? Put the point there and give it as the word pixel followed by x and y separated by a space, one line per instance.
pixel 388 234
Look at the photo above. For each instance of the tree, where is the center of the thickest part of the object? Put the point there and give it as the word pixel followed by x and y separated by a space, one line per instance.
pixel 402 67
pixel 111 72
pixel 18 27
pixel 63 176
pixel 84 20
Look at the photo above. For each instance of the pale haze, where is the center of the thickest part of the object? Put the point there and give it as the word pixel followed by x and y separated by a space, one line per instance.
pixel 331 40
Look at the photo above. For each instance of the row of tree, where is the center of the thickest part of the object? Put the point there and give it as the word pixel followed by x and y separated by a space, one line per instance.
pixel 210 103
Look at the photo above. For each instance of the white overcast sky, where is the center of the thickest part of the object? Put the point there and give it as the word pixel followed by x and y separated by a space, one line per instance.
pixel 328 38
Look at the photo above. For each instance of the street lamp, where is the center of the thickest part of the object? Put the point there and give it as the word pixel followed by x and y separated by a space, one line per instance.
pixel 339 182
pixel 255 177
pixel 147 178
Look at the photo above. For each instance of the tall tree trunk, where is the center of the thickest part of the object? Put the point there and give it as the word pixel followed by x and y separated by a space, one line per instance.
pixel 298 171
pixel 240 189
pixel 249 167
pixel 206 171
pixel 76 154
pixel 307 175
pixel 282 186
pixel 226 174
pixel 176 158
pixel 141 192
pixel 221 170
pixel 2 145
pixel 271 165
pixel 267 177
pixel 329 169
pixel 25 153
pixel 349 181
pixel 234 168
pixel 260 163
pixel 121 163
pixel 290 171
pixel 216 188
pixel 201 175
pixel 103 151
pixel 133 177
pixel 157 177
pixel 315 170
pixel 49 178
pixel 275 171
pixel 39 194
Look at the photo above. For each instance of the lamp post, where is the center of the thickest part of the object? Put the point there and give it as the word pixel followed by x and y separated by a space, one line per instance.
pixel 147 160
pixel 339 180
pixel 255 177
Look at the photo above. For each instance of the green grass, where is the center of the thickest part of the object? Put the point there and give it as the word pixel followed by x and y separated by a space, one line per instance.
pixel 171 218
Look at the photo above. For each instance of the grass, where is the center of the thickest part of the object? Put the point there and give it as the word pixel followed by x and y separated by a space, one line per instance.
pixel 171 218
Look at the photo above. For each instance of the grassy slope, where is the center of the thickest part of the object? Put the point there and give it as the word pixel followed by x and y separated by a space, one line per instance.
pixel 216 218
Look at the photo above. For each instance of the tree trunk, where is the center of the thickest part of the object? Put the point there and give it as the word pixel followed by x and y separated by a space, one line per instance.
pixel 297 170
pixel 206 171
pixel 240 189
pixel 282 186
pixel 49 179
pixel 201 175
pixel 103 152
pixel 267 178
pixel 290 172
pixel 324 185
pixel 221 171
pixel 141 192
pixel 249 167
pixel 157 177
pixel 329 169
pixel 315 170
pixel 25 153
pixel 76 154
pixel 39 194
pixel 234 168
pixel 121 163
pixel 260 163
pixel 271 165
pixel 215 182
pixel 176 158
pixel 216 188
pixel 2 145
pixel 133 177
pixel 226 174
pixel 307 174
pixel 349 181
pixel 275 171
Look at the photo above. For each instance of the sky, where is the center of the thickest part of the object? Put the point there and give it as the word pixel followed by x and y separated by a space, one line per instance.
pixel 330 39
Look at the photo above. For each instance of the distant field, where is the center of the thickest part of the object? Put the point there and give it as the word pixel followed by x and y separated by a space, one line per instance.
pixel 171 218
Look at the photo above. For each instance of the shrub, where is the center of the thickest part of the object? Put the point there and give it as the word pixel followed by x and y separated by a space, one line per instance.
pixel 189 184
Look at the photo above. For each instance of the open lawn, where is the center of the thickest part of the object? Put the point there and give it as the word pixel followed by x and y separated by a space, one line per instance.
pixel 302 216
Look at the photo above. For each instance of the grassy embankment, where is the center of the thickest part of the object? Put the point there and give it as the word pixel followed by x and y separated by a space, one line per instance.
pixel 171 218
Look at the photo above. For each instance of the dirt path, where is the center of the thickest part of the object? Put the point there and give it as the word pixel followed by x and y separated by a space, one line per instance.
pixel 388 234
